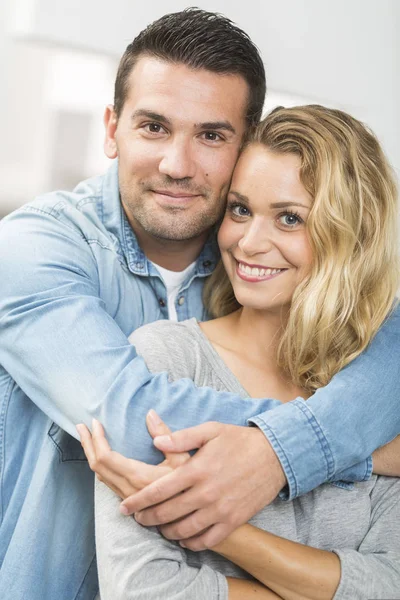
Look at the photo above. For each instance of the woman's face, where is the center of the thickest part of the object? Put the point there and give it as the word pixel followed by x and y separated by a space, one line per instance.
pixel 263 240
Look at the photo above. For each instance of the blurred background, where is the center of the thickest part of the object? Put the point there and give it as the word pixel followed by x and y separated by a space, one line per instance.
pixel 58 60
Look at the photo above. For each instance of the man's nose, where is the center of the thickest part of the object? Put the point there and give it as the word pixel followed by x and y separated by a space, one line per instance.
pixel 178 161
pixel 257 238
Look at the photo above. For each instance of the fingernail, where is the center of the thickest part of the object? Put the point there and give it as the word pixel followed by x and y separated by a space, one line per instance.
pixel 124 509
pixel 137 516
pixel 182 544
pixel 95 423
pixel 154 418
pixel 79 427
pixel 163 440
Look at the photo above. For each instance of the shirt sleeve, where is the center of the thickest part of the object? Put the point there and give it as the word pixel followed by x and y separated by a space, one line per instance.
pixel 343 423
pixel 67 353
pixel 137 563
pixel 374 570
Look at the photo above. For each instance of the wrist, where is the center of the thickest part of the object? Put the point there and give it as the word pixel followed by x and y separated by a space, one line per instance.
pixel 272 466
pixel 226 546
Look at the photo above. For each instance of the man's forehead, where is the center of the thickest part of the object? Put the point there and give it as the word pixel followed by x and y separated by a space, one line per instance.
pixel 157 85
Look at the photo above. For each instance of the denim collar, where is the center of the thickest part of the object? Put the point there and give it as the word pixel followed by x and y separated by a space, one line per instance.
pixel 118 225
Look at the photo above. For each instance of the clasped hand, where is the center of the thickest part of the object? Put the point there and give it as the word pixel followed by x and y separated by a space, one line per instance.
pixel 198 500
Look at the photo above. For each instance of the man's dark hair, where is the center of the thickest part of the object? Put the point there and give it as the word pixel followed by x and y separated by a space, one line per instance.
pixel 200 40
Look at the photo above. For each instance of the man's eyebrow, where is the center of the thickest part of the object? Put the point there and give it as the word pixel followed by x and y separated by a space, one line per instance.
pixel 221 125
pixel 149 114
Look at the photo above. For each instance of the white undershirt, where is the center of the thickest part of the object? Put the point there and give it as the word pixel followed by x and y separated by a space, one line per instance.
pixel 173 281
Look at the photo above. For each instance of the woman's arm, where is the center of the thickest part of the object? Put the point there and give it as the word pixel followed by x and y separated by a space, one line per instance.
pixel 135 562
pixel 298 572
pixel 290 569
pixel 386 460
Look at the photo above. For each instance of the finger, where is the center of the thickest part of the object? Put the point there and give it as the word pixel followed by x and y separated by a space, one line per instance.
pixel 163 489
pixel 87 443
pixel 157 427
pixel 104 461
pixel 187 439
pixel 170 510
pixel 192 525
pixel 112 465
pixel 116 483
pixel 100 442
pixel 210 538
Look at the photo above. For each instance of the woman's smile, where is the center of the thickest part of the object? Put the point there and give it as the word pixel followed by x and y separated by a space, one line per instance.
pixel 263 237
pixel 256 273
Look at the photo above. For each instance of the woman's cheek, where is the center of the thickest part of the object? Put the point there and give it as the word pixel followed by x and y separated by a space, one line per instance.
pixel 228 234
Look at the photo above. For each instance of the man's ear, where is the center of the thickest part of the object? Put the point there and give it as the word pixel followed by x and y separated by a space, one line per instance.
pixel 110 121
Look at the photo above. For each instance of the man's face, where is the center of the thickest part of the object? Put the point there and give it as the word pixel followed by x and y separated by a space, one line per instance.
pixel 177 141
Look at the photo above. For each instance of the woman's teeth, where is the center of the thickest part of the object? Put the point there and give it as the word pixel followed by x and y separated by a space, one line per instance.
pixel 257 272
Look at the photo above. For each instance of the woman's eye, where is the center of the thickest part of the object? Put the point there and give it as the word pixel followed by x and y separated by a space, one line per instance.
pixel 238 210
pixel 290 220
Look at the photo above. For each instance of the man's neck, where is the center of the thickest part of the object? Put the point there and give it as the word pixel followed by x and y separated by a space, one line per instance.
pixel 170 254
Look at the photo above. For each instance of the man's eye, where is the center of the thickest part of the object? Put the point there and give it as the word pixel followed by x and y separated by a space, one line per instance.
pixel 212 136
pixel 154 127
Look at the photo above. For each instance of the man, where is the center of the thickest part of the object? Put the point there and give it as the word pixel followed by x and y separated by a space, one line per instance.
pixel 81 270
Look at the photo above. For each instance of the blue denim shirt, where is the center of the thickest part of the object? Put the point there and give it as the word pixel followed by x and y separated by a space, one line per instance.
pixel 73 285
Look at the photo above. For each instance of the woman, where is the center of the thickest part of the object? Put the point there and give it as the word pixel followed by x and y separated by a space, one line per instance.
pixel 310 272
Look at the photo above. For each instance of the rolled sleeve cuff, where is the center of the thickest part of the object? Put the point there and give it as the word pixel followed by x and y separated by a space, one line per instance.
pixel 362 471
pixel 300 444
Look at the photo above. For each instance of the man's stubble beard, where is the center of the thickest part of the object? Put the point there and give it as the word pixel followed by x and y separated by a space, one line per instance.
pixel 171 223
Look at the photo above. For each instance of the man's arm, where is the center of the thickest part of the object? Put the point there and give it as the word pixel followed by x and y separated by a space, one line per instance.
pixel 69 356
pixel 343 422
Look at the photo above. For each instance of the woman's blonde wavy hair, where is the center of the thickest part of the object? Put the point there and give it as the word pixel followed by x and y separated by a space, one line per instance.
pixel 352 227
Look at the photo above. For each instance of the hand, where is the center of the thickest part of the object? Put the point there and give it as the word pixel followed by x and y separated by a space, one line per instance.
pixel 125 476
pixel 233 475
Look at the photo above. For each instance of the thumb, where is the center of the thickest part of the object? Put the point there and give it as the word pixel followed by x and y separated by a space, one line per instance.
pixel 157 427
pixel 187 439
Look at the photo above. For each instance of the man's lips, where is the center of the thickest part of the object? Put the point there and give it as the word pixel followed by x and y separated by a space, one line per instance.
pixel 175 195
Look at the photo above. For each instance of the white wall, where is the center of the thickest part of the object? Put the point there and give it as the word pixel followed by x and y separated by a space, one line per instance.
pixel 344 53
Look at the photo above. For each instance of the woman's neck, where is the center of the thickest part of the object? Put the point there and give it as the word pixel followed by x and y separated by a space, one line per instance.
pixel 249 333
pixel 257 332
pixel 247 342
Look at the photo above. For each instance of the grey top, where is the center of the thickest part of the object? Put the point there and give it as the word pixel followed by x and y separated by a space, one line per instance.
pixel 361 525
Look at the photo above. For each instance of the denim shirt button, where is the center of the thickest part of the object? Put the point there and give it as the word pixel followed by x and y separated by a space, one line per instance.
pixel 181 301
pixel 207 263
pixel 138 265
pixel 161 302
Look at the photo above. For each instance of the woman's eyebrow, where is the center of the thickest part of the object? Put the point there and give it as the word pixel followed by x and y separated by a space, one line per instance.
pixel 240 197
pixel 287 204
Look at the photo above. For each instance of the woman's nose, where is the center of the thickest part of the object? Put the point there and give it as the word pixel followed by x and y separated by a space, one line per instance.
pixel 256 239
